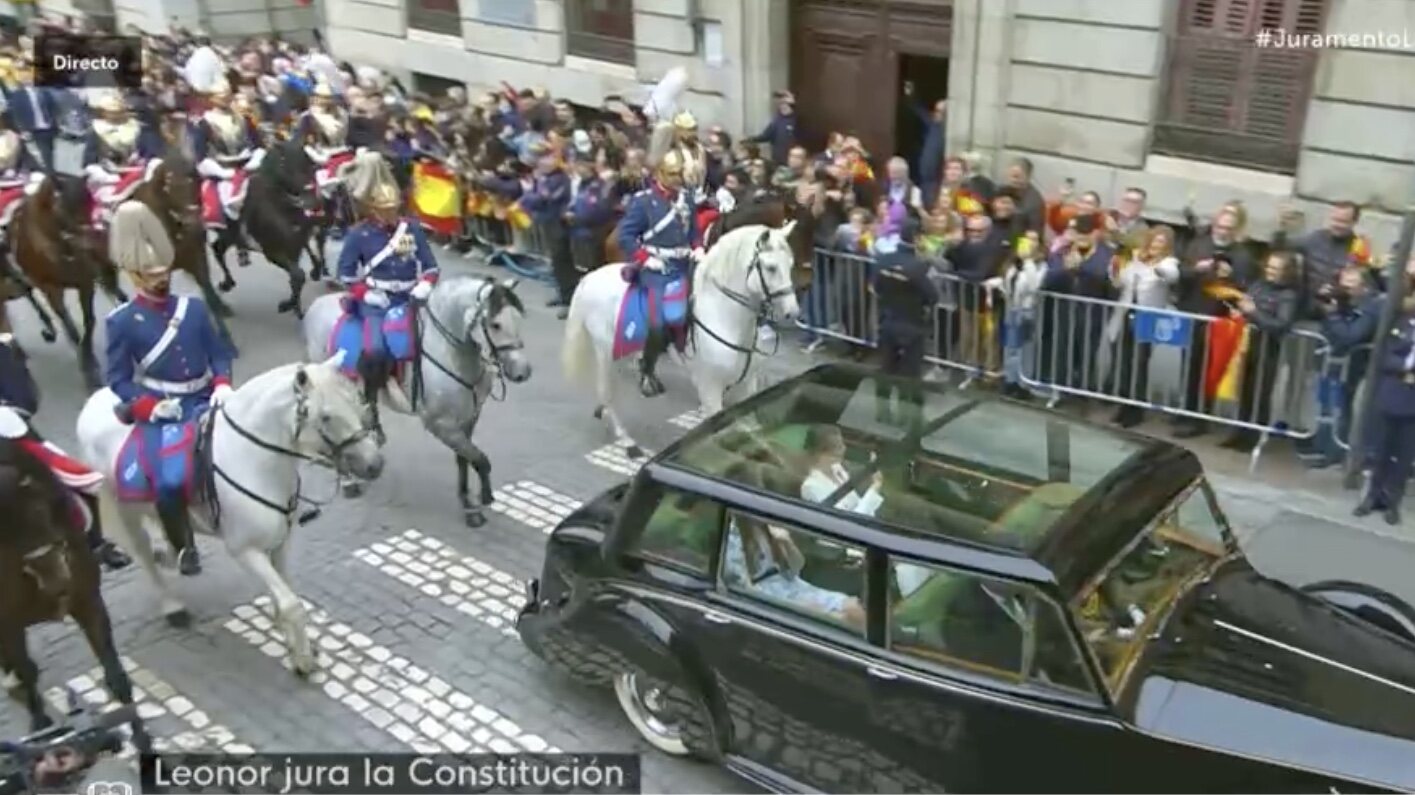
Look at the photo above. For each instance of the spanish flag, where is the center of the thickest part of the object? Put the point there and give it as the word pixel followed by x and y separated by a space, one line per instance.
pixel 1360 251
pixel 1225 364
pixel 435 199
pixel 513 214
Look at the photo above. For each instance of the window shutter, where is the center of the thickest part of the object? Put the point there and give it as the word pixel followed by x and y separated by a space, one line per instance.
pixel 1229 100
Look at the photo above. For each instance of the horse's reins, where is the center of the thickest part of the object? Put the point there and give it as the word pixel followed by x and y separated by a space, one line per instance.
pixel 330 460
pixel 460 344
pixel 762 311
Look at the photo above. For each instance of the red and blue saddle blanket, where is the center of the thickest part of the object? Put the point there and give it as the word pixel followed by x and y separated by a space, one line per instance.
pixel 647 307
pixel 158 459
pixel 390 330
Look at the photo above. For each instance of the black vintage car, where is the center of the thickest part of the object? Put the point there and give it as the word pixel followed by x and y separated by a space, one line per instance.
pixel 986 597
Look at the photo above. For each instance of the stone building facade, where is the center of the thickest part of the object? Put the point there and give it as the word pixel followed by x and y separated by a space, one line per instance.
pixel 1167 95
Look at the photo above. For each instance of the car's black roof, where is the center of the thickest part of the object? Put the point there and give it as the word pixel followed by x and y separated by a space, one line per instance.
pixel 1092 525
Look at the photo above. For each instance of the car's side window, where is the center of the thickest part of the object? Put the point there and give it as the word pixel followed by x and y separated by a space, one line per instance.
pixel 993 627
pixel 682 531
pixel 795 569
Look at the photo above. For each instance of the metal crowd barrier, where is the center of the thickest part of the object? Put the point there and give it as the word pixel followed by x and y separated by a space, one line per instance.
pixel 1158 360
pixel 525 252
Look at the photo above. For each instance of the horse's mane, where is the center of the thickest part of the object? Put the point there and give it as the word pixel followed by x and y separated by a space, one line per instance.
pixel 729 252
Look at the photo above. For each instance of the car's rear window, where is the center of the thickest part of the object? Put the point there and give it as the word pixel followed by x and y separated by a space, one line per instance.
pixel 982 470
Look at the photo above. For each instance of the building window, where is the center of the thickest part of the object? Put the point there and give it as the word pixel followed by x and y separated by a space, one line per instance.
pixel 600 29
pixel 435 16
pixel 1229 100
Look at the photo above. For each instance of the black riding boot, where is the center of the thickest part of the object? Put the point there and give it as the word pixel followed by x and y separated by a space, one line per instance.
pixel 178 527
pixel 649 384
pixel 108 553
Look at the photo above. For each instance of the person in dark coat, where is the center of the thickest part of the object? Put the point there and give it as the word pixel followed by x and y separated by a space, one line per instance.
pixel 1350 317
pixel 588 217
pixel 1392 446
pixel 546 203
pixel 1270 307
pixel 907 297
pixel 1214 268
pixel 929 164
pixel 1070 331
pixel 780 132
pixel 34 112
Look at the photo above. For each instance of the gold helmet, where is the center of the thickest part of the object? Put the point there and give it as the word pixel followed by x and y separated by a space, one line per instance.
pixel 685 121
pixel 384 196
pixel 322 89
pixel 671 165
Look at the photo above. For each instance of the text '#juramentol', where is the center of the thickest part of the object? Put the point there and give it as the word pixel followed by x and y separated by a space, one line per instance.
pixel 377 774
pixel 87 61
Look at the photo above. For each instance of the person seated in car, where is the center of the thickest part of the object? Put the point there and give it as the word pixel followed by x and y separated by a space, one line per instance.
pixel 764 559
pixel 825 451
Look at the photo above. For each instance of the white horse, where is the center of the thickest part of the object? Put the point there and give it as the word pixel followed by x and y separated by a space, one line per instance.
pixel 266 427
pixel 469 337
pixel 745 278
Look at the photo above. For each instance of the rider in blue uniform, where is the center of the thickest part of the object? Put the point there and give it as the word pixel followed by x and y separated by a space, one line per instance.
pixel 659 237
pixel 386 262
pixel 166 362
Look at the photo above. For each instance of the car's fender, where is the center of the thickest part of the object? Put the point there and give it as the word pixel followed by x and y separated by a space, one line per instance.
pixel 1368 603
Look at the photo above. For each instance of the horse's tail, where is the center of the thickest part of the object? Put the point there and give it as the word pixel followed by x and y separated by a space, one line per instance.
pixel 577 351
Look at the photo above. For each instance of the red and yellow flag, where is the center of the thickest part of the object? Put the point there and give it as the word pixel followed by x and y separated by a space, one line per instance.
pixel 1226 338
pixel 435 199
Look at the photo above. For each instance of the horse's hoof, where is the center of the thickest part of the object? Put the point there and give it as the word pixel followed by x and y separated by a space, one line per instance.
pixel 474 518
pixel 285 306
pixel 48 335
pixel 353 490
pixel 599 412
pixel 181 619
pixel 226 285
pixel 304 669
pixel 634 452
pixel 487 498
pixel 189 563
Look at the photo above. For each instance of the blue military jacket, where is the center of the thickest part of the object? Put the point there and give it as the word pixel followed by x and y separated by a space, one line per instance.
pixel 549 198
pixel 143 358
pixel 658 224
pixel 373 256
pixel 590 209
pixel 1395 392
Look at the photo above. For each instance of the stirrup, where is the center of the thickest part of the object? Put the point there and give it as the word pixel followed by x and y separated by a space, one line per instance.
pixel 189 561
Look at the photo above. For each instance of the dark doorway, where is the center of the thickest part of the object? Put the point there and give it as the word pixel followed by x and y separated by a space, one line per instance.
pixel 929 77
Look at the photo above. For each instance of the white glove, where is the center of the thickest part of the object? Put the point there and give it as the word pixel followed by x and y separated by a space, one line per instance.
pixel 655 264
pixel 167 409
pixel 422 290
pixel 699 254
pixel 219 394
pixel 376 298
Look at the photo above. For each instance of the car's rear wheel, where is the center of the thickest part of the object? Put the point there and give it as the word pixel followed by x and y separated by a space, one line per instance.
pixel 648 705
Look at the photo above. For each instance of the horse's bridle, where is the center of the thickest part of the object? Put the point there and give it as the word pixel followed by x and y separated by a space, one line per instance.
pixel 329 457
pixel 461 344
pixel 763 311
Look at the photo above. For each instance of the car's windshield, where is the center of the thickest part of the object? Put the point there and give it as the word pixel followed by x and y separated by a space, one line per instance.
pixel 1123 605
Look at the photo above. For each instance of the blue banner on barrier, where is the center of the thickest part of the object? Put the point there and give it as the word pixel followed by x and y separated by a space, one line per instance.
pixel 1158 328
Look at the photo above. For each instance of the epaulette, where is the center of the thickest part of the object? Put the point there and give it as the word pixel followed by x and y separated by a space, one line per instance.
pixel 115 310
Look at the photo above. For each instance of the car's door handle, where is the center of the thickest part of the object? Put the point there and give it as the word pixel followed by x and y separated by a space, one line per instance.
pixel 881 673
pixel 717 618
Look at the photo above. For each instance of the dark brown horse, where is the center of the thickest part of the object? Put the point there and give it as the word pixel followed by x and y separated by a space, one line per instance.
pixel 55 260
pixel 48 573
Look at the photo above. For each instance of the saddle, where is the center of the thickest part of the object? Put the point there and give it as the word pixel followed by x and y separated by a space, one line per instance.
pixel 353 335
pixel 646 309
pixel 157 456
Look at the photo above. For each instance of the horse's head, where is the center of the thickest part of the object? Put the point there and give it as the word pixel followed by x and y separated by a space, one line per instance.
pixel 175 195
pixel 333 423
pixel 35 543
pixel 768 274
pixel 490 315
pixel 290 169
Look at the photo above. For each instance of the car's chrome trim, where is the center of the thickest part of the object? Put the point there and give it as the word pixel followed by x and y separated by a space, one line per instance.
pixel 1247 633
pixel 1087 712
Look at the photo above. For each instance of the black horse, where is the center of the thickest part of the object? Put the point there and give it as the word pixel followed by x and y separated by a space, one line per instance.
pixel 47 570
pixel 277 216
